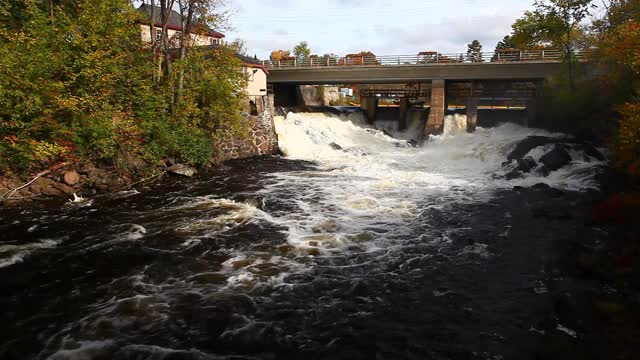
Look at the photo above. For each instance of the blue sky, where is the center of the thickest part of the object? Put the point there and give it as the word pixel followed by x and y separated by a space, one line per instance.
pixel 383 26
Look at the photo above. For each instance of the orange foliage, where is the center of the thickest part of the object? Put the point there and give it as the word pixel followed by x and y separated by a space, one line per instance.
pixel 278 55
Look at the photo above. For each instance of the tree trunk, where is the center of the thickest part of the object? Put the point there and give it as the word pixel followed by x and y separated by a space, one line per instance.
pixel 165 8
pixel 186 36
pixel 152 26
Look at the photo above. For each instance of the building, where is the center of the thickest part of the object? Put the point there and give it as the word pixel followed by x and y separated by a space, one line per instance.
pixel 199 37
pixel 202 38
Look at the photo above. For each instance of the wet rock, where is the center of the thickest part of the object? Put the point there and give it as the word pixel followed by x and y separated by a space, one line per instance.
pixel 542 171
pixel 529 144
pixel 335 146
pixel 591 151
pixel 556 158
pixel 413 143
pixel 514 174
pixel 541 186
pixel 526 164
pixel 71 177
pixel 181 169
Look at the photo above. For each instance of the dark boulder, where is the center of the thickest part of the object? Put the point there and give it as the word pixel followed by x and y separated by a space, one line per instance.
pixel 513 174
pixel 590 151
pixel 335 146
pixel 541 186
pixel 413 143
pixel 529 144
pixel 556 158
pixel 526 164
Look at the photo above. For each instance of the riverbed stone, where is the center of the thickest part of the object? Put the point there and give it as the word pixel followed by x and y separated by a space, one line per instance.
pixel 529 144
pixel 71 177
pixel 556 158
pixel 184 170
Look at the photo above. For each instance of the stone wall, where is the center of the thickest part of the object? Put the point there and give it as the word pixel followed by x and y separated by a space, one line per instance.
pixel 263 139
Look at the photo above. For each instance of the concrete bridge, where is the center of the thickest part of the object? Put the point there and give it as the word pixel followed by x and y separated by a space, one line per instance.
pixel 467 77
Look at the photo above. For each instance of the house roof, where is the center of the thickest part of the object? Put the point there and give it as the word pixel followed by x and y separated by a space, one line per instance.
pixel 175 21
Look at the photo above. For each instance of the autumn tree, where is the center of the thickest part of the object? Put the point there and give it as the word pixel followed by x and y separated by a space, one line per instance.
pixel 619 46
pixel 278 55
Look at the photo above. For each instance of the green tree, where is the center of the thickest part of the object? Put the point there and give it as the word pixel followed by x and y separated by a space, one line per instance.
pixel 302 51
pixel 555 23
pixel 504 44
pixel 474 51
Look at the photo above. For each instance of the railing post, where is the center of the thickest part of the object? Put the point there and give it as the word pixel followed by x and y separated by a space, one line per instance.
pixel 437 58
pixel 279 63
pixel 520 57
pixel 542 54
pixel 295 62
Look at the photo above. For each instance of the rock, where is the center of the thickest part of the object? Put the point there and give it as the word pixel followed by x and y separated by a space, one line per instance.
pixel 591 151
pixel 413 143
pixel 556 158
pixel 335 146
pixel 542 171
pixel 44 186
pixel 71 177
pixel 513 174
pixel 541 186
pixel 181 169
pixel 526 164
pixel 529 144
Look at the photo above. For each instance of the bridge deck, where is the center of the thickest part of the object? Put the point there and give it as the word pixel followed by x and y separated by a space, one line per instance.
pixel 521 65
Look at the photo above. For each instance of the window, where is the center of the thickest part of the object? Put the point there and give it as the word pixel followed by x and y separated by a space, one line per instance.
pixel 158 34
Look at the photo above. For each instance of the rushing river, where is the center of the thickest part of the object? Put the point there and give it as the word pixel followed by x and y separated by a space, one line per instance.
pixel 353 245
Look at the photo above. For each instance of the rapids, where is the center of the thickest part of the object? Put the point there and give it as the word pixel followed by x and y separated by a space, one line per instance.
pixel 354 245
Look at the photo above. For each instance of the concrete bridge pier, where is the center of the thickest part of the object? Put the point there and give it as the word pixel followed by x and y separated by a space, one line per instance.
pixel 472 113
pixel 370 107
pixel 435 121
pixel 404 112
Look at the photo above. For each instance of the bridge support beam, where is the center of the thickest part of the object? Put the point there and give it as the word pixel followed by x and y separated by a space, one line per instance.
pixel 404 111
pixel 370 107
pixel 435 122
pixel 472 113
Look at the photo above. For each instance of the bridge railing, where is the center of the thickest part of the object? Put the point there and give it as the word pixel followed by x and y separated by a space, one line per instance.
pixel 426 58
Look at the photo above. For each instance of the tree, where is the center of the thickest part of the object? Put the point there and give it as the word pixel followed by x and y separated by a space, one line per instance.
pixel 504 44
pixel 618 49
pixel 239 46
pixel 302 51
pixel 554 23
pixel 474 51
pixel 278 55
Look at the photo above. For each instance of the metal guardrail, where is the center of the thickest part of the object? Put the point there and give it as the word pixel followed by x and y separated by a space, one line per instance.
pixel 429 58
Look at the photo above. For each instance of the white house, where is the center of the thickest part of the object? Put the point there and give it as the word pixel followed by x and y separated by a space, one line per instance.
pixel 199 37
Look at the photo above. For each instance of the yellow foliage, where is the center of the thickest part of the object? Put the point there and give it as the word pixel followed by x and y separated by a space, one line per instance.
pixel 626 143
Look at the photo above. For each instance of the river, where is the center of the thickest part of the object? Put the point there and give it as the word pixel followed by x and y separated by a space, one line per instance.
pixel 352 245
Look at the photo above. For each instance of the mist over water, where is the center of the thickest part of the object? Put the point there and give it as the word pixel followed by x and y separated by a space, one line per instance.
pixel 277 256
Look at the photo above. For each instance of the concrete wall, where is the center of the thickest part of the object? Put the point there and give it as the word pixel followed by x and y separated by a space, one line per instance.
pixel 197 40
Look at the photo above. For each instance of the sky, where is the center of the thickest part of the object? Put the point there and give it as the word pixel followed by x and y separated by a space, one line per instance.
pixel 384 27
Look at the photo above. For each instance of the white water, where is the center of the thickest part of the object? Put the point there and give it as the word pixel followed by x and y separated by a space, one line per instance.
pixel 375 180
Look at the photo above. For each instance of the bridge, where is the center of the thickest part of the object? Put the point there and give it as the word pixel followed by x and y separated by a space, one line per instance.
pixel 467 77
